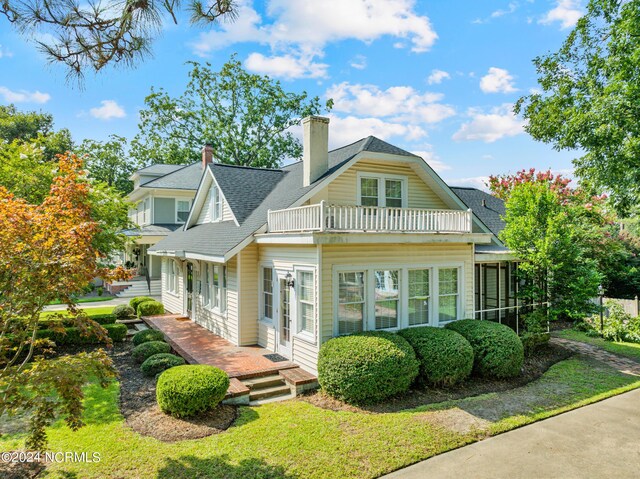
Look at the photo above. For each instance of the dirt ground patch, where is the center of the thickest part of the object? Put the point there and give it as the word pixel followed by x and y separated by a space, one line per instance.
pixel 138 406
pixel 534 367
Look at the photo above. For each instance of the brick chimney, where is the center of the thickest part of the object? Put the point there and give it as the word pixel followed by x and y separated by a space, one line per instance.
pixel 315 151
pixel 207 155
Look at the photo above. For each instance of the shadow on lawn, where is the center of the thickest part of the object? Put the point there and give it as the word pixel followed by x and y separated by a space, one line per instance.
pixel 189 467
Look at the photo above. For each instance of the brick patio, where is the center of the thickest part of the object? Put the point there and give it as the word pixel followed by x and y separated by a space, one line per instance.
pixel 198 345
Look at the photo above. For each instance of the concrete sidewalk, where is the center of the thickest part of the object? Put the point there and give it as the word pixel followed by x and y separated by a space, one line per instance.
pixel 597 441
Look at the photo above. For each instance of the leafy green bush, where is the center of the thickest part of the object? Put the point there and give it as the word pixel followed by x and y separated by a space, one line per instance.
pixel 618 325
pixel 135 302
pixel 123 311
pixel 366 368
pixel 146 336
pixel 146 350
pixel 445 356
pixel 102 319
pixel 497 349
pixel 184 391
pixel 535 332
pixel 157 363
pixel 150 308
pixel 72 336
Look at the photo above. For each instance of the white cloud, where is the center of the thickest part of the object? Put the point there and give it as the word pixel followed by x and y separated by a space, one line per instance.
pixel 345 130
pixel 5 53
pixel 359 62
pixel 497 80
pixel 479 182
pixel 288 66
pixel 109 109
pixel 399 103
pixel 567 12
pixel 437 76
pixel 500 122
pixel 433 160
pixel 511 8
pixel 23 96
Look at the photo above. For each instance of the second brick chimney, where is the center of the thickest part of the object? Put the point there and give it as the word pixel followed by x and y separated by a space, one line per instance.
pixel 207 155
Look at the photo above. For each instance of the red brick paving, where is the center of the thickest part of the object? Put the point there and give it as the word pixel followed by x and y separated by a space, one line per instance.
pixel 198 345
pixel 622 364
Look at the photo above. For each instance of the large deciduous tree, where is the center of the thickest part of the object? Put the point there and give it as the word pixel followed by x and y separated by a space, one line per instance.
pixel 48 252
pixel 245 117
pixel 108 162
pixel 590 99
pixel 92 35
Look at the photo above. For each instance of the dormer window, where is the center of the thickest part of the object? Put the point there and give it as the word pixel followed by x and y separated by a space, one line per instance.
pixel 216 204
pixel 382 190
pixel 182 210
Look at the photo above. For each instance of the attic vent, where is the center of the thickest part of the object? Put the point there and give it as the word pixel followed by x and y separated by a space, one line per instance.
pixel 484 203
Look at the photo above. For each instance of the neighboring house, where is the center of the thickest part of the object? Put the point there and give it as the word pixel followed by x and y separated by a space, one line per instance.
pixel 163 195
pixel 364 237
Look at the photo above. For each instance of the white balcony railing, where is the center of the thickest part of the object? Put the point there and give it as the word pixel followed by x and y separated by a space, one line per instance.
pixel 323 217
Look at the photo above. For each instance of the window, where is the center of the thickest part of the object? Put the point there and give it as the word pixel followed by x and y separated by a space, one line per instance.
pixel 369 191
pixel 267 293
pixel 382 191
pixel 172 277
pixel 386 299
pixel 306 303
pixel 418 296
pixel 216 204
pixel 351 297
pixel 215 287
pixel 182 210
pixel 206 285
pixel 447 294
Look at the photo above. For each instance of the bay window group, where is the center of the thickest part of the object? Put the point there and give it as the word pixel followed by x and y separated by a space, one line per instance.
pixel 396 298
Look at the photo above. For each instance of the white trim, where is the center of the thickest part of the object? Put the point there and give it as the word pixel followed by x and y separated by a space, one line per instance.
pixel 200 197
pixel 264 319
pixel 369 238
pixel 176 210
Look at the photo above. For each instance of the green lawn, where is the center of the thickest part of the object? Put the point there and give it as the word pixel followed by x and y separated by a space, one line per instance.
pixel 90 311
pixel 296 439
pixel 93 299
pixel 630 350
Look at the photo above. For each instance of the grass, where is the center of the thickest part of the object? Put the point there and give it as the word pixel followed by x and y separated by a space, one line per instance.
pixel 93 299
pixel 90 311
pixel 296 439
pixel 629 350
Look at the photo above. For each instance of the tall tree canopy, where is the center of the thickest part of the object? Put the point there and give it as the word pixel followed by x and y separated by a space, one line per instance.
pixel 92 35
pixel 245 117
pixel 590 98
pixel 108 162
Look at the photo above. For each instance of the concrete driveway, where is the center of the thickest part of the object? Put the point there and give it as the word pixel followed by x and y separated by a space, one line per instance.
pixel 597 441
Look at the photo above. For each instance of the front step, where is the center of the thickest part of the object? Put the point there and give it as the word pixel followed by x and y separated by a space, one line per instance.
pixel 270 392
pixel 263 382
pixel 264 388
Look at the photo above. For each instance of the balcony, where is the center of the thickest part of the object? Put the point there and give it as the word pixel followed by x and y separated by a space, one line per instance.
pixel 322 217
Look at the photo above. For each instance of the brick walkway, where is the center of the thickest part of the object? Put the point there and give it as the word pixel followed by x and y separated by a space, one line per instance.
pixel 624 365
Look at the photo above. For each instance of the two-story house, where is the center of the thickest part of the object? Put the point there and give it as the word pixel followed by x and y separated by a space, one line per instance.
pixel 363 237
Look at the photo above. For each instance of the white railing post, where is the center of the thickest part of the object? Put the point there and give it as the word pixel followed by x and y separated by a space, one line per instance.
pixel 322 216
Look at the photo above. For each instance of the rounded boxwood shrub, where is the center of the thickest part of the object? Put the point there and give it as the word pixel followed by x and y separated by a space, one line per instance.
pixel 184 391
pixel 135 302
pixel 366 368
pixel 148 349
pixel 160 362
pixel 150 308
pixel 445 356
pixel 497 349
pixel 147 335
pixel 123 311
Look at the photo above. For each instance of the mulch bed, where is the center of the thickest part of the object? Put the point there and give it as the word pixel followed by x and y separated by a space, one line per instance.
pixel 138 405
pixel 534 367
pixel 21 470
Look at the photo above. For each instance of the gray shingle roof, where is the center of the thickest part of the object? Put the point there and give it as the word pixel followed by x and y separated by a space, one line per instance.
pixel 151 230
pixel 490 212
pixel 185 178
pixel 160 169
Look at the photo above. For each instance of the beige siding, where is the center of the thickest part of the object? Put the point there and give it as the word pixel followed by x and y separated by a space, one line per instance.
pixel 248 289
pixel 343 189
pixel 266 336
pixel 402 255
pixel 205 211
pixel 173 303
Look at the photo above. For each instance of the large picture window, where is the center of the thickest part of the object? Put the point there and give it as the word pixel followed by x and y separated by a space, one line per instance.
pixel 418 296
pixel 351 302
pixel 447 294
pixel 306 302
pixel 386 299
pixel 172 277
pixel 267 293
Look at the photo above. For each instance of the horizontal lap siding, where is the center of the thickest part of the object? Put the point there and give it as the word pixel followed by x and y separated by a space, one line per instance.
pixel 266 336
pixel 402 254
pixel 248 280
pixel 205 211
pixel 172 303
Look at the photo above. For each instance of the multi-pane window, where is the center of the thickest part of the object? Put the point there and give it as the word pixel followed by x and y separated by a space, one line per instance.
pixel 351 298
pixel 267 293
pixel 146 211
pixel 418 296
pixel 447 294
pixel 393 193
pixel 386 299
pixel 172 277
pixel 306 304
pixel 206 284
pixel 182 210
pixel 369 191
pixel 216 204
pixel 215 287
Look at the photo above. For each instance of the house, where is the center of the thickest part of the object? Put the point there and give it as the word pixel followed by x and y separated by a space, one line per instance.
pixel 162 195
pixel 363 237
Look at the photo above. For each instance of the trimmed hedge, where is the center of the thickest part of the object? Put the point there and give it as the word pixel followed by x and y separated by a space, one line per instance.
pixel 497 348
pixel 366 368
pixel 146 350
pixel 123 311
pixel 445 356
pixel 72 336
pixel 135 302
pixel 184 391
pixel 146 336
pixel 150 308
pixel 101 319
pixel 157 363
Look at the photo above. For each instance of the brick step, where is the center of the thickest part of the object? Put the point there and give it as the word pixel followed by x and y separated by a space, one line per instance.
pixel 269 392
pixel 263 382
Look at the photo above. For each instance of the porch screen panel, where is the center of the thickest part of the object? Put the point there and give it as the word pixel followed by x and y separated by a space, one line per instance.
pixel 490 290
pixel 447 294
pixel 351 297
pixel 418 296
pixel 386 299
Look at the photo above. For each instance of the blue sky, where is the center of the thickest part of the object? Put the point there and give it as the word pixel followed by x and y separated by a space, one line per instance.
pixel 437 78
